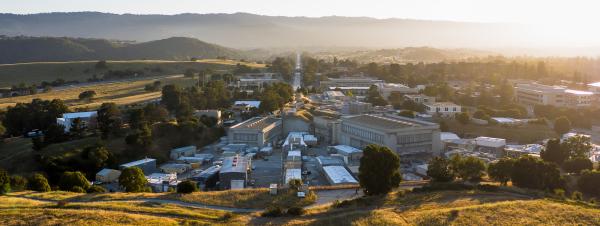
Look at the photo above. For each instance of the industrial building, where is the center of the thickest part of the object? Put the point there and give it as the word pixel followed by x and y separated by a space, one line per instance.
pixel 147 165
pixel 207 178
pixel 420 98
pixel 161 182
pixel 175 168
pixel 351 153
pixel 234 172
pixel 403 135
pixel 326 128
pixel 338 175
pixel 356 108
pixel 258 131
pixel 350 81
pixel 291 174
pixel 186 151
pixel 88 119
pixel 386 89
pixel 108 175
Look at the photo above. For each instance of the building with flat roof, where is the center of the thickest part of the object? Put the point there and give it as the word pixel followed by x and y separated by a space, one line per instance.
pixel 234 169
pixel 351 153
pixel 108 175
pixel 256 131
pixel 291 174
pixel 186 151
pixel 350 81
pixel 447 109
pixel 537 94
pixel 88 119
pixel 357 108
pixel 386 89
pixel 338 175
pixel 244 105
pixel 326 128
pixel 333 95
pixel 403 135
pixel 147 165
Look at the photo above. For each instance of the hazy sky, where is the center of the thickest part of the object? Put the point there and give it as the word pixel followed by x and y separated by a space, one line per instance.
pixel 520 11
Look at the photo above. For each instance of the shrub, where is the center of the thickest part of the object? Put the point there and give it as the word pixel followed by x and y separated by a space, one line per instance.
pixel 70 180
pixel 39 183
pixel 487 187
pixel 559 192
pixel 589 182
pixel 593 200
pixel 18 183
pixel 77 189
pixel 577 196
pixel 296 211
pixel 61 203
pixel 187 187
pixel 577 165
pixel 272 212
pixel 439 170
pixel 295 184
pixel 96 189
pixel 4 182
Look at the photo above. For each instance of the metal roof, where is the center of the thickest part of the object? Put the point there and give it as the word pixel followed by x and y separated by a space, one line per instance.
pixel 339 175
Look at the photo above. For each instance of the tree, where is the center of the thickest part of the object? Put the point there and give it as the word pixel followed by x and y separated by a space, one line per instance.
pixel 439 170
pixel 137 119
pixel 463 118
pixel 69 180
pixel 554 152
pixel 577 146
pixel 55 134
pixel 531 172
pixel 589 182
pixel 187 187
pixel 468 168
pixel 501 171
pixel 155 113
pixel 4 182
pixel 109 119
pixel 576 165
pixel 379 170
pixel 374 97
pixel 295 184
pixel 77 128
pixel 407 113
pixel 133 180
pixel 87 95
pixel 444 126
pixel 39 183
pixel 562 125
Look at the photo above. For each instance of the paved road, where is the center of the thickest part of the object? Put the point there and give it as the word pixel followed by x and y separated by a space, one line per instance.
pixel 297 80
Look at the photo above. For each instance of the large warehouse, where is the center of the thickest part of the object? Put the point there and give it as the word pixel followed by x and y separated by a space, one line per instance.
pixel 256 131
pixel 406 136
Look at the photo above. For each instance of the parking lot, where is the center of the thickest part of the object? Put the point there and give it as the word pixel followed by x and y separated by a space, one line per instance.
pixel 267 172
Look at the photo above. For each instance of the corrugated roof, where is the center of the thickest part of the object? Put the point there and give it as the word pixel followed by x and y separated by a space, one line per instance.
pixel 339 175
pixel 378 122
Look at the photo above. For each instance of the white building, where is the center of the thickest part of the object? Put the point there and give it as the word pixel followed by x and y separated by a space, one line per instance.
pixel 386 89
pixel 537 94
pixel 420 98
pixel 404 135
pixel 88 119
pixel 257 131
pixel 350 81
pixel 333 95
pixel 357 108
pixel 244 105
pixel 351 153
pixel 338 175
pixel 446 109
pixel 108 175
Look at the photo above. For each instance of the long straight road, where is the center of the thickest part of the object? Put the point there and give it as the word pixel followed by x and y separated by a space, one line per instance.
pixel 297 80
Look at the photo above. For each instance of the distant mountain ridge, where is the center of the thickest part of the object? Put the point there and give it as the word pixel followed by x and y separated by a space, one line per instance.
pixel 243 30
pixel 36 49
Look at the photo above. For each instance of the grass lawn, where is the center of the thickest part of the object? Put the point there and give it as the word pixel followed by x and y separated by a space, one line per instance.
pixel 30 73
pixel 521 134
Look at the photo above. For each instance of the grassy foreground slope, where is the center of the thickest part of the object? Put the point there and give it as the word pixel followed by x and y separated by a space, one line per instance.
pixel 448 208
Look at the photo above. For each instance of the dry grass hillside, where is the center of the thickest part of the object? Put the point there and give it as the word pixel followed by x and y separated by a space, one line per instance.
pixel 470 207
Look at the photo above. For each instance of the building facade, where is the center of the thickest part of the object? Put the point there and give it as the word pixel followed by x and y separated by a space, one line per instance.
pixel 446 109
pixel 403 135
pixel 258 131
pixel 532 94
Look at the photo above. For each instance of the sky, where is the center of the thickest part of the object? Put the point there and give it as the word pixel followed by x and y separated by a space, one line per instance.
pixel 539 12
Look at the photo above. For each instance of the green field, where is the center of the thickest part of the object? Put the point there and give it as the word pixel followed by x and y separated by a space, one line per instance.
pixel 35 73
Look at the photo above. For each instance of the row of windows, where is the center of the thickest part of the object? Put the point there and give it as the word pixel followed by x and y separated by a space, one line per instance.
pixel 362 133
pixel 245 137
pixel 416 138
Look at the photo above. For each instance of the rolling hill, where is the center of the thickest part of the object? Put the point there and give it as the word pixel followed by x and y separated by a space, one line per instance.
pixel 55 49
pixel 243 30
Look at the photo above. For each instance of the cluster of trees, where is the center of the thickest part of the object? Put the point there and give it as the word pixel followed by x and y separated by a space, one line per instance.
pixel 526 172
pixel 507 110
pixel 275 96
pixel 374 97
pixel 181 102
pixel 122 74
pixel 572 154
pixel 88 161
pixel 283 66
pixel 10 183
pixel 39 114
pixel 581 117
